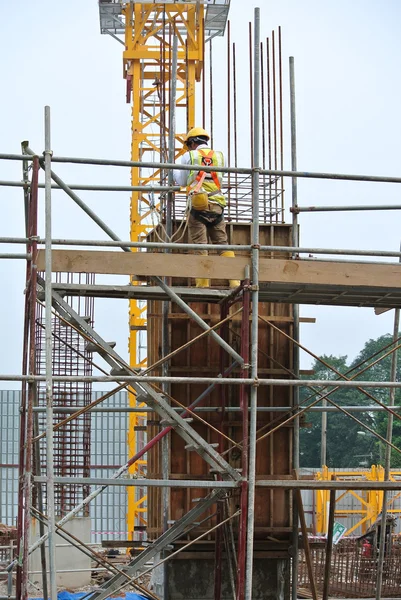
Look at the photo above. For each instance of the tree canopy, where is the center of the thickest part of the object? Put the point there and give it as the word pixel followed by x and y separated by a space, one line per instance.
pixel 348 442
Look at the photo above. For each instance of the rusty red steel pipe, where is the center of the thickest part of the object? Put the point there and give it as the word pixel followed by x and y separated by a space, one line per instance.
pixel 27 394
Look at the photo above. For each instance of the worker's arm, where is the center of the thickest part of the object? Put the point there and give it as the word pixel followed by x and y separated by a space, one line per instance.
pixel 181 176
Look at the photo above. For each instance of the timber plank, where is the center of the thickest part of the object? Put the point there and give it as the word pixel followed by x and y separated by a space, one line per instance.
pixel 348 274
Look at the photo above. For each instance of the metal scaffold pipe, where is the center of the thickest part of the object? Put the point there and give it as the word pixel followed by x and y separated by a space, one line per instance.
pixel 173 296
pixel 49 366
pixel 299 209
pixel 98 188
pixel 7 255
pixel 245 171
pixel 387 461
pixel 296 332
pixel 255 307
pixel 217 247
pixel 200 380
pixel 147 409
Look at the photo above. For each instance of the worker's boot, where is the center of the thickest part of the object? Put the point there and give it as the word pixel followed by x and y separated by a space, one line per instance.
pixel 202 283
pixel 233 282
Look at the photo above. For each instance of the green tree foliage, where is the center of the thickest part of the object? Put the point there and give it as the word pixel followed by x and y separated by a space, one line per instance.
pixel 379 370
pixel 346 445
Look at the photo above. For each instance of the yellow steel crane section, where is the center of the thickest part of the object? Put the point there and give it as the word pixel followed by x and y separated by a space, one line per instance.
pixel 147 69
pixel 371 501
pixel 148 29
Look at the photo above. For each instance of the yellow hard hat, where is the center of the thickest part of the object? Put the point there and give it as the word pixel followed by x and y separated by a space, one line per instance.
pixel 196 132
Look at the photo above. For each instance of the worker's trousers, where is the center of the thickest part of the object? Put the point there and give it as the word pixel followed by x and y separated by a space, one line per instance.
pixel 199 232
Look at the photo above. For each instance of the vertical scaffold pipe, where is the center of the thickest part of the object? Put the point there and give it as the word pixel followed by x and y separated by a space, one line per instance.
pixel 219 536
pixel 255 302
pixel 244 405
pixel 387 462
pixel 166 304
pixel 295 397
pixel 49 372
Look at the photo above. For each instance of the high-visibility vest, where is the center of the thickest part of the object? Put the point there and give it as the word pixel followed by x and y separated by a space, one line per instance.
pixel 211 181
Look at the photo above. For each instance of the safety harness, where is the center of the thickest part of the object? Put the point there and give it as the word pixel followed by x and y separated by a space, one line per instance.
pixel 207 217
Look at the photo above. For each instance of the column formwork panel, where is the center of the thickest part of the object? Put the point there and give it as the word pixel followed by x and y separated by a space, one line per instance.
pixel 203 358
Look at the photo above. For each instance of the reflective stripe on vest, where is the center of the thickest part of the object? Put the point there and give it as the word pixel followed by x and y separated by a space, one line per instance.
pixel 210 181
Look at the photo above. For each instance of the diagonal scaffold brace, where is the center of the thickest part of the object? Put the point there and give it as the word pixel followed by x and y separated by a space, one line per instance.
pixel 167 538
pixel 153 399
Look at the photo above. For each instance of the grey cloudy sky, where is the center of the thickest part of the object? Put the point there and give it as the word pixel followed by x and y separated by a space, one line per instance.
pixel 347 60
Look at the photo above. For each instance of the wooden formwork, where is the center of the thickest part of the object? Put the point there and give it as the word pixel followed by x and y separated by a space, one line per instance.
pixel 204 358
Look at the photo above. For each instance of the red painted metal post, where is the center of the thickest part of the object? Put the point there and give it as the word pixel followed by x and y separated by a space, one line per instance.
pixel 26 420
pixel 22 426
pixel 244 402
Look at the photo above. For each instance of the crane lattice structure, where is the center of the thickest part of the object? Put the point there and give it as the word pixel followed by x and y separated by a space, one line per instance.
pixel 148 30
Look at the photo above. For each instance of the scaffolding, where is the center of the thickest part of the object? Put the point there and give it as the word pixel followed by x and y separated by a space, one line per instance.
pixel 284 277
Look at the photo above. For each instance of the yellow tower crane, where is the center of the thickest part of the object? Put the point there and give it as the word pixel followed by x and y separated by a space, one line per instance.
pixel 147 30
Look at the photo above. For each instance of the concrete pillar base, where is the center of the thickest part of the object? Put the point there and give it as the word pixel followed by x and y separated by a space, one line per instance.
pixel 193 579
pixel 75 565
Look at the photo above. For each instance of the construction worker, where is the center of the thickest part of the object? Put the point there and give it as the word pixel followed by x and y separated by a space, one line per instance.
pixel 207 202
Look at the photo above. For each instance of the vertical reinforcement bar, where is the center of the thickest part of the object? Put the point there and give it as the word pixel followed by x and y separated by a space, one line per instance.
pixel 49 373
pixel 255 307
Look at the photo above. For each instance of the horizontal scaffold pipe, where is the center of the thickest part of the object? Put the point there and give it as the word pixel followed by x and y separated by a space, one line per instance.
pixel 142 482
pixel 16 256
pixel 299 209
pixel 204 380
pixel 310 484
pixel 303 484
pixel 217 247
pixel 98 188
pixel 245 171
pixel 268 409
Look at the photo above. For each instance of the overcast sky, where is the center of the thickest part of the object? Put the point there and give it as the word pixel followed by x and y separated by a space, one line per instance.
pixel 347 61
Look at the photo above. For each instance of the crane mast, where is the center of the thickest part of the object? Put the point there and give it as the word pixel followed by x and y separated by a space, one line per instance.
pixel 148 30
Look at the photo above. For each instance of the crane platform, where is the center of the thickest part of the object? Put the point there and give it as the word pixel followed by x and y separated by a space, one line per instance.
pixel 318 282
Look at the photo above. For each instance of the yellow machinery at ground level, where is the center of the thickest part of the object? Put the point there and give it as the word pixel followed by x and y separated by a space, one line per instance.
pixel 371 501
